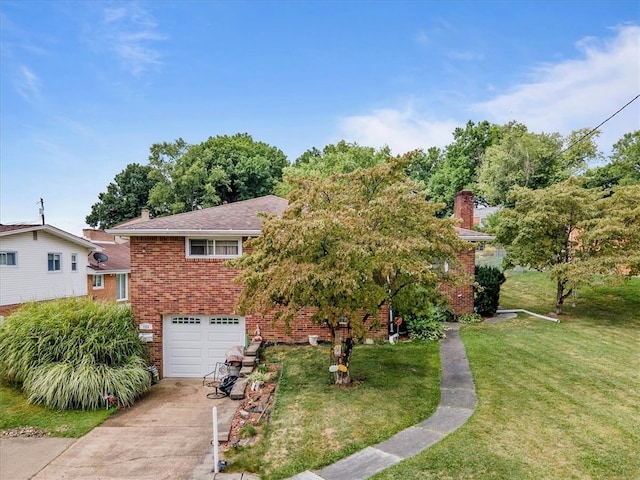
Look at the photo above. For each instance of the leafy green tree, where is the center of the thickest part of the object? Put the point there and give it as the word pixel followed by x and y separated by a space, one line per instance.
pixel 623 167
pixel 531 160
pixel 342 157
pixel 124 198
pixel 69 353
pixel 576 234
pixel 221 169
pixel 458 168
pixel 347 245
pixel 163 158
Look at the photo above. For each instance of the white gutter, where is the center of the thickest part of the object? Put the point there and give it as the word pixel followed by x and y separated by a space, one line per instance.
pixel 170 232
pixel 522 310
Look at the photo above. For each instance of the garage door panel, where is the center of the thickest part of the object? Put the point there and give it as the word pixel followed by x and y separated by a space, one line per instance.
pixel 193 345
pixel 187 336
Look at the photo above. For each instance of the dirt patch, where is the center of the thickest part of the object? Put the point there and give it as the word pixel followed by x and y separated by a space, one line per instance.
pixel 23 432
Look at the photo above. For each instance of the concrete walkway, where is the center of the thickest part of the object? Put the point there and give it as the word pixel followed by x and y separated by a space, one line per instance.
pixel 457 403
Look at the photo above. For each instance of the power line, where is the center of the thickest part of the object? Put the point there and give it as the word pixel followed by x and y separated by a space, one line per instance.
pixel 595 129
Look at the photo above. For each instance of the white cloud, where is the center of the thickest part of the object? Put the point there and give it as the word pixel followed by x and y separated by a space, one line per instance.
pixel 561 97
pixel 402 130
pixel 578 93
pixel 27 84
pixel 131 32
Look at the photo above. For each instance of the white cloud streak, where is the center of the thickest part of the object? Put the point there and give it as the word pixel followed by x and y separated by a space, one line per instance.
pixel 402 130
pixel 561 97
pixel 27 84
pixel 131 32
pixel 578 93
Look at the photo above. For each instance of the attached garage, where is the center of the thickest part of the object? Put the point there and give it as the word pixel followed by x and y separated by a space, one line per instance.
pixel 193 344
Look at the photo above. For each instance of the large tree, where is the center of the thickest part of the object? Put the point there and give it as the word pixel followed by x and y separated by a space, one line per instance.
pixel 457 169
pixel 531 160
pixel 577 235
pixel 341 157
pixel 623 167
pixel 220 169
pixel 347 245
pixel 124 198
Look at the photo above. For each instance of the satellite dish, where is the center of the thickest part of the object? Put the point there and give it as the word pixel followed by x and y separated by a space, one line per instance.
pixel 100 257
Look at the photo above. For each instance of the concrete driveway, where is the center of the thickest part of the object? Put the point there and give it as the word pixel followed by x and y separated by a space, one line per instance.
pixel 166 435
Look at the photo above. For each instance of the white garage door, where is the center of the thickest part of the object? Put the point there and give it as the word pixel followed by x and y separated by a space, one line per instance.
pixel 193 344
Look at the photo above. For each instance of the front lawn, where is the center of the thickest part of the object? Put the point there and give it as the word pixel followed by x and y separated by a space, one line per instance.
pixel 15 412
pixel 316 423
pixel 556 401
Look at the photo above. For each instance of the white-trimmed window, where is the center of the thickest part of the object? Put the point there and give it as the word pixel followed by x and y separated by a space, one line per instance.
pixel 9 258
pixel 214 247
pixel 54 262
pixel 121 286
pixel 442 266
pixel 74 262
pixel 98 281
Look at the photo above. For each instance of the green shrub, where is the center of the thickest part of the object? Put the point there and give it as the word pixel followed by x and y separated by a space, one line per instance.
pixel 430 325
pixel 469 318
pixel 487 293
pixel 247 431
pixel 71 353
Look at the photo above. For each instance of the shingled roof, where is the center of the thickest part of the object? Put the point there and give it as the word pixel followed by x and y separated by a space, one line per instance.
pixel 237 218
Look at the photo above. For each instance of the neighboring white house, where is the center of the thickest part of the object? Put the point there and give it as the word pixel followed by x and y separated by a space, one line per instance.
pixel 41 262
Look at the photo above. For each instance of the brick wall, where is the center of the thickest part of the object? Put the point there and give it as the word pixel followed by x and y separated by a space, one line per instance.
pixel 462 297
pixel 108 292
pixel 165 282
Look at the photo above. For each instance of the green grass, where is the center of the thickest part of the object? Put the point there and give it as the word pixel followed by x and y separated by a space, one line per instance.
pixel 316 423
pixel 16 412
pixel 556 401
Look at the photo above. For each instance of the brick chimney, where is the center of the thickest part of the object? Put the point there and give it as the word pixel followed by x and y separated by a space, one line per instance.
pixel 463 208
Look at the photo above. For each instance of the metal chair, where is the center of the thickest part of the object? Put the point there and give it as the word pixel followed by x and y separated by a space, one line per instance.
pixel 215 378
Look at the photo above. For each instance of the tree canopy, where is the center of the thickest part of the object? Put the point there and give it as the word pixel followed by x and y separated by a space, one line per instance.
pixel 220 169
pixel 182 177
pixel 525 159
pixel 124 198
pixel 342 157
pixel 624 165
pixel 575 234
pixel 458 167
pixel 347 245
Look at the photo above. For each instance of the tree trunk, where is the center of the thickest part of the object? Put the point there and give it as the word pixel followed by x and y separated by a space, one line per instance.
pixel 561 295
pixel 342 375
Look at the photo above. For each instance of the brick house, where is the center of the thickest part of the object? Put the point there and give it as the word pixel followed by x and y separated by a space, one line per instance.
pixel 109 269
pixel 183 296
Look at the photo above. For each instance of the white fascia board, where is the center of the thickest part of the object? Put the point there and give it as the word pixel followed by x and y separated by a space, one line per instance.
pixel 183 233
pixel 57 233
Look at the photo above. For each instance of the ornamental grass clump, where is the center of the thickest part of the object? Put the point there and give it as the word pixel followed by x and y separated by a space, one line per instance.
pixel 72 353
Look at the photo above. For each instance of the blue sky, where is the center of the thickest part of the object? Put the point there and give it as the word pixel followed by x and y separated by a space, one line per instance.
pixel 87 87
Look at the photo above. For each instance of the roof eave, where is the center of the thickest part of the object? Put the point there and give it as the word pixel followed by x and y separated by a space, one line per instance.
pixel 478 238
pixel 56 232
pixel 169 232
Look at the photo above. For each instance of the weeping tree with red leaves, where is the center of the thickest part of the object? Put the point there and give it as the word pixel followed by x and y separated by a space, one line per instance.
pixel 346 246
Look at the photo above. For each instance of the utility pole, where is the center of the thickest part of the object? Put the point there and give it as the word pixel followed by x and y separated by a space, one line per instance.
pixel 41 212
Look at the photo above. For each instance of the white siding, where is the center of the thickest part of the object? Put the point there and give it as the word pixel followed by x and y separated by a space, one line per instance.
pixel 30 280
